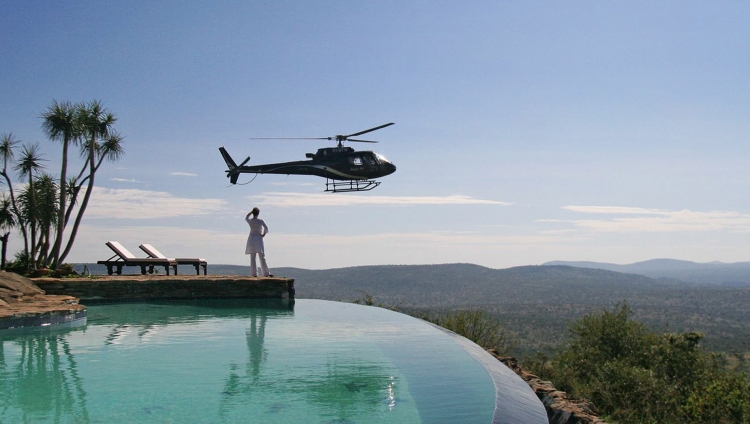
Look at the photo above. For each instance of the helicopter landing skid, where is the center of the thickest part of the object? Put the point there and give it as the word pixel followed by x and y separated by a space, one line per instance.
pixel 333 186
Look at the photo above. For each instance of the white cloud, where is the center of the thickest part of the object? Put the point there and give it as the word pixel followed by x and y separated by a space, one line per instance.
pixel 615 210
pixel 657 220
pixel 144 204
pixel 416 239
pixel 183 174
pixel 323 199
pixel 125 180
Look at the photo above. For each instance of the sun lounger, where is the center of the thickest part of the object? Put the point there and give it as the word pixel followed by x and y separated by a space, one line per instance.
pixel 125 258
pixel 197 263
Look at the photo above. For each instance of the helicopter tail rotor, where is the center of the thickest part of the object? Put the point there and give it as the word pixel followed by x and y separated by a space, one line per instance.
pixel 233 173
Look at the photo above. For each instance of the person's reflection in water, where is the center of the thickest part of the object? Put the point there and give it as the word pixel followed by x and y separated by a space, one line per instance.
pixel 241 385
pixel 254 336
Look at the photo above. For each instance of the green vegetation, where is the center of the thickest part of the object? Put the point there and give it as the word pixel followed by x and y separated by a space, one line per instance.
pixel 634 375
pixel 478 326
pixel 44 206
pixel 474 324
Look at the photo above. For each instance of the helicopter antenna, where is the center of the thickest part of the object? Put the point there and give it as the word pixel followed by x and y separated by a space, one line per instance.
pixel 340 139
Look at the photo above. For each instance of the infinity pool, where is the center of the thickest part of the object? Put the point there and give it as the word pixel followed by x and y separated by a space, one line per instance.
pixel 312 361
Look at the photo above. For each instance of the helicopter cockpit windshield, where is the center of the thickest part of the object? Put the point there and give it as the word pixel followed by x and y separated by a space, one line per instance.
pixel 367 158
pixel 381 159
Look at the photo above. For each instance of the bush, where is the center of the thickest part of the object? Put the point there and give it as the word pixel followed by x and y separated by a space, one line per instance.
pixel 20 264
pixel 636 376
pixel 480 327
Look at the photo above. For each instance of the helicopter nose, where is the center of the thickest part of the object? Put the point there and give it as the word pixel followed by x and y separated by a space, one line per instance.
pixel 390 168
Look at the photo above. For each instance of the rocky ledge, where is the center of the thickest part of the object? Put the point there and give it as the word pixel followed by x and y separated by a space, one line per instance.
pixel 560 409
pixel 23 304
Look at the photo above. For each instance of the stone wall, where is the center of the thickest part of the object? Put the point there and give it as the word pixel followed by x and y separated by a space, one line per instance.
pixel 161 287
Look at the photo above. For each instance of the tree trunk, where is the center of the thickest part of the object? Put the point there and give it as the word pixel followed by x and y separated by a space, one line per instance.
pixel 61 213
pixel 84 203
pixel 4 249
pixel 21 222
pixel 32 220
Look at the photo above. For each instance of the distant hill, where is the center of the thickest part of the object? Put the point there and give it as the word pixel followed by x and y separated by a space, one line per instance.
pixel 456 285
pixel 453 285
pixel 727 274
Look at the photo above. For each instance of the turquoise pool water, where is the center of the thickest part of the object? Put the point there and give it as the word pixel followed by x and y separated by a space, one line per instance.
pixel 251 361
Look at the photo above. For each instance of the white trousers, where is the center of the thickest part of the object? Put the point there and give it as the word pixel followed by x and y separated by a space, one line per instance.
pixel 254 266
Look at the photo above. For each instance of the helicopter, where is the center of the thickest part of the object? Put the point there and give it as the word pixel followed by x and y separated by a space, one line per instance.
pixel 344 168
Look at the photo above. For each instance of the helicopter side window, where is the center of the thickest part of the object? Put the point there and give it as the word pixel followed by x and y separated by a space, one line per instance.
pixel 369 160
pixel 356 160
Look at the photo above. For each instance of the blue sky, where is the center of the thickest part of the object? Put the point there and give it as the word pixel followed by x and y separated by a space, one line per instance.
pixel 525 131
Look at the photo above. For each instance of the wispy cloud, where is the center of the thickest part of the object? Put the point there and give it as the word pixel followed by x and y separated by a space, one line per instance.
pixel 125 180
pixel 144 204
pixel 621 210
pixel 420 239
pixel 633 219
pixel 183 174
pixel 322 199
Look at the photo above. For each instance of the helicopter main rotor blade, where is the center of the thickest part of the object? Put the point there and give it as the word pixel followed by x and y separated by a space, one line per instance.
pixel 370 130
pixel 339 138
pixel 290 138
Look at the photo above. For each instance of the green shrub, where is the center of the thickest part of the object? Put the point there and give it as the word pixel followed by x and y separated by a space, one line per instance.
pixel 636 376
pixel 480 327
pixel 20 264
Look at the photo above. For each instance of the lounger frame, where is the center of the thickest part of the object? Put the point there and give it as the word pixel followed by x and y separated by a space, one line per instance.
pixel 197 263
pixel 123 257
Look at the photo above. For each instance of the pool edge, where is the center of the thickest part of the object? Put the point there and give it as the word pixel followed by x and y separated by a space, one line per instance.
pixel 520 405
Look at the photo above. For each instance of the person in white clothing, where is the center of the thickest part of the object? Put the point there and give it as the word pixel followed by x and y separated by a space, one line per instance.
pixel 258 230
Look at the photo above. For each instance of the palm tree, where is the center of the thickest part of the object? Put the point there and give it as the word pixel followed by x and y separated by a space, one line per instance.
pixel 7 223
pixel 28 165
pixel 43 214
pixel 96 125
pixel 8 144
pixel 61 123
